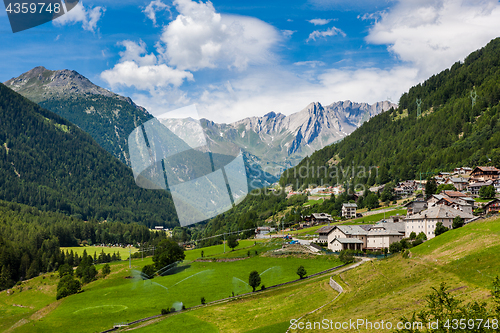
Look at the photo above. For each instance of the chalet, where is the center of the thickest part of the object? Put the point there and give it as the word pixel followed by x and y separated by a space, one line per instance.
pixel 462 171
pixel 264 230
pixel 459 183
pixel 496 184
pixel 474 188
pixel 406 188
pixel 318 218
pixel 484 173
pixel 323 233
pixel 349 210
pixel 433 199
pixel 416 206
pixel 492 207
pixel 426 220
pixel 457 203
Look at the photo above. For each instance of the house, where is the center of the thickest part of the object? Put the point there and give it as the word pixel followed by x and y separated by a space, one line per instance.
pixel 349 210
pixel 264 230
pixel 484 173
pixel 426 220
pixel 452 194
pixel 496 184
pixel 474 188
pixel 416 206
pixel 384 233
pixel 462 171
pixel 318 218
pixel 405 188
pixel 338 235
pixel 459 183
pixel 323 233
pixel 457 203
pixel 431 201
pixel 492 207
pixel 371 237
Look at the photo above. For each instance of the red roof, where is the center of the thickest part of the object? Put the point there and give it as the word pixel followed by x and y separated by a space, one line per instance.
pixel 452 194
pixel 487 168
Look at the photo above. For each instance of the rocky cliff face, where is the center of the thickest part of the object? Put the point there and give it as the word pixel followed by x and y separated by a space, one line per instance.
pixel 281 141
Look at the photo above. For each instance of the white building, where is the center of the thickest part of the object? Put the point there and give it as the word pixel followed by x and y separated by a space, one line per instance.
pixel 426 220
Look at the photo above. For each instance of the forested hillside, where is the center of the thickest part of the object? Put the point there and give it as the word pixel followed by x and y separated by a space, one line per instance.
pixel 48 163
pixel 30 239
pixel 449 133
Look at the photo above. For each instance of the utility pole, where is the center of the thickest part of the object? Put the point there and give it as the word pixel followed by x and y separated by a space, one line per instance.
pixel 224 243
pixel 129 256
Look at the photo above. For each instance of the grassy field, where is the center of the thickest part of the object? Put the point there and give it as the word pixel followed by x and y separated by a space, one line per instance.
pixel 123 296
pixel 124 252
pixel 376 217
pixel 379 290
pixel 466 259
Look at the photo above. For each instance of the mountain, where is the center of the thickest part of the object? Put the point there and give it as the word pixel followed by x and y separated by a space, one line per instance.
pixel 48 163
pixel 458 126
pixel 276 142
pixel 269 144
pixel 109 118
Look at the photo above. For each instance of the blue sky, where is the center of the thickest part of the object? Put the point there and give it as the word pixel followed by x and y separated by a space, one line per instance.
pixel 245 58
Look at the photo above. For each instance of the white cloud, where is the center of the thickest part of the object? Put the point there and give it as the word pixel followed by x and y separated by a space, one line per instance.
pixel 333 31
pixel 433 34
pixel 280 90
pixel 311 63
pixel 320 21
pixel 202 38
pixel 88 17
pixel 143 71
pixel 288 33
pixel 154 7
pixel 129 74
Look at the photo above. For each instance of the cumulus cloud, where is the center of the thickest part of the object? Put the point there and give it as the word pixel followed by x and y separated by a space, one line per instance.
pixel 434 34
pixel 288 33
pixel 320 21
pixel 333 31
pixel 280 90
pixel 142 70
pixel 200 38
pixel 154 7
pixel 87 16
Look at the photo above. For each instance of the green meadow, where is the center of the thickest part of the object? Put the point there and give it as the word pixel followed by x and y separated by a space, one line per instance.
pixel 124 296
pixel 124 252
pixel 466 259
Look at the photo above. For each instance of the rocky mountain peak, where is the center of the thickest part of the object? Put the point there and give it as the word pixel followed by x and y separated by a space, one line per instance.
pixel 40 84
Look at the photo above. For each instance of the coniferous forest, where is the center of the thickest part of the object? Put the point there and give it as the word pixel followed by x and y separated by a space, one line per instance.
pixel 451 131
pixel 48 163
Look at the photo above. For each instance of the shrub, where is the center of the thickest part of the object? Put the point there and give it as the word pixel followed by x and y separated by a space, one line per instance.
pixel 346 256
pixel 106 269
pixel 203 300
pixel 164 311
pixel 148 271
pixel 263 287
